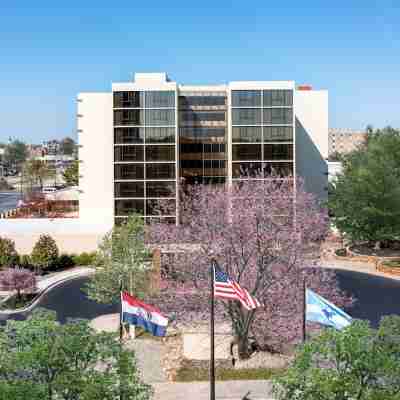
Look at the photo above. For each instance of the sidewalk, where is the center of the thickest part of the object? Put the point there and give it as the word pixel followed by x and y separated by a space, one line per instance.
pixel 226 390
pixel 356 266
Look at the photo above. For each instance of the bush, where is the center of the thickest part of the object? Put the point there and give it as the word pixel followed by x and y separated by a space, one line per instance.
pixel 8 254
pixel 25 261
pixel 85 258
pixel 45 253
pixel 65 261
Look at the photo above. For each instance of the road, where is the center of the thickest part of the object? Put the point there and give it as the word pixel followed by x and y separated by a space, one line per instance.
pixel 8 200
pixel 376 296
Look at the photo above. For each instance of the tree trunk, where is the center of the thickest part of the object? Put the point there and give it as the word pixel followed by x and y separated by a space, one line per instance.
pixel 243 347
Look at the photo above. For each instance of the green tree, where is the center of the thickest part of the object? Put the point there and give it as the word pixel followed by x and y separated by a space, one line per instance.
pixel 358 363
pixel 37 171
pixel 71 174
pixel 365 199
pixel 122 258
pixel 8 254
pixel 16 153
pixel 42 359
pixel 44 253
pixel 67 146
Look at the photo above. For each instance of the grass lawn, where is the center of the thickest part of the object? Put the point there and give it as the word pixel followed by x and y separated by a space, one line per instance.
pixel 187 374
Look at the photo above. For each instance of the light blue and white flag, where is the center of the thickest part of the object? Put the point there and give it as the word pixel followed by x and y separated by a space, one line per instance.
pixel 323 312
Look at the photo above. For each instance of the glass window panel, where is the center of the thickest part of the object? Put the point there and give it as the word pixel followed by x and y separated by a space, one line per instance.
pixel 128 99
pixel 160 99
pixel 160 153
pixel 160 171
pixel 246 98
pixel 160 189
pixel 246 152
pixel 202 101
pixel 278 152
pixel 246 116
pixel 273 98
pixel 128 171
pixel 161 207
pixel 246 169
pixel 202 116
pixel 201 133
pixel 281 169
pixel 278 133
pixel 128 153
pixel 128 117
pixel 129 207
pixel 160 135
pixel 129 189
pixel 160 117
pixel 128 135
pixel 246 134
pixel 278 116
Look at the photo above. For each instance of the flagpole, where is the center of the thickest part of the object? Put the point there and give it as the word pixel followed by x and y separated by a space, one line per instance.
pixel 304 308
pixel 212 356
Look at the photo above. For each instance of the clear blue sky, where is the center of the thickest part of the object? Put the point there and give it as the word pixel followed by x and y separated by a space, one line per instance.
pixel 51 50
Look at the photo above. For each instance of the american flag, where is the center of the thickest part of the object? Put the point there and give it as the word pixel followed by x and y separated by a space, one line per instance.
pixel 226 288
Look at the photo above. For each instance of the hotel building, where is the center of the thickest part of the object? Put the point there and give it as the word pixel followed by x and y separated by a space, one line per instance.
pixel 144 139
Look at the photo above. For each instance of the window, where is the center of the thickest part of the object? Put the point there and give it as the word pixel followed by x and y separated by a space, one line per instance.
pixel 128 207
pixel 278 133
pixel 246 98
pixel 160 153
pixel 246 116
pixel 246 169
pixel 160 135
pixel 129 189
pixel 160 117
pixel 214 168
pixel 160 189
pixel 202 116
pixel 246 134
pixel 278 98
pixel 203 101
pixel 246 152
pixel 128 117
pixel 160 171
pixel 128 153
pixel 161 207
pixel 128 99
pixel 278 152
pixel 160 99
pixel 128 171
pixel 281 169
pixel 128 135
pixel 214 148
pixel 278 116
pixel 201 132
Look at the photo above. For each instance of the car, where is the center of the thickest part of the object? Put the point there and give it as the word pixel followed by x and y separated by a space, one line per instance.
pixel 49 189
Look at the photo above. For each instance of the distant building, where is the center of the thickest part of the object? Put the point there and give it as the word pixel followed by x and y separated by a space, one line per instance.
pixel 35 150
pixel 51 147
pixel 343 141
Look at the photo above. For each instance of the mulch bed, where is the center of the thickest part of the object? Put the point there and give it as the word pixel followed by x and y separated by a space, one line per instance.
pixel 364 249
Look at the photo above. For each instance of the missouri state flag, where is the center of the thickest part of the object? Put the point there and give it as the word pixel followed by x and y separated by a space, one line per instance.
pixel 135 312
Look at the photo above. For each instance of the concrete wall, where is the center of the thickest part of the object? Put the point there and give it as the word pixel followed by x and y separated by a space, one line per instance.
pixel 312 140
pixel 96 155
pixel 71 235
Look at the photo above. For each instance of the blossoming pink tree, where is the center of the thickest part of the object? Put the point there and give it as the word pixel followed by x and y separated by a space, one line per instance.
pixel 17 279
pixel 262 233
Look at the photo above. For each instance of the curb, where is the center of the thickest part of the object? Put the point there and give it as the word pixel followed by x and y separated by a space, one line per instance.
pixel 44 291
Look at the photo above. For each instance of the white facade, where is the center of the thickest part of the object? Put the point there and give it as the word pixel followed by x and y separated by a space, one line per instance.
pixel 312 139
pixel 96 138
